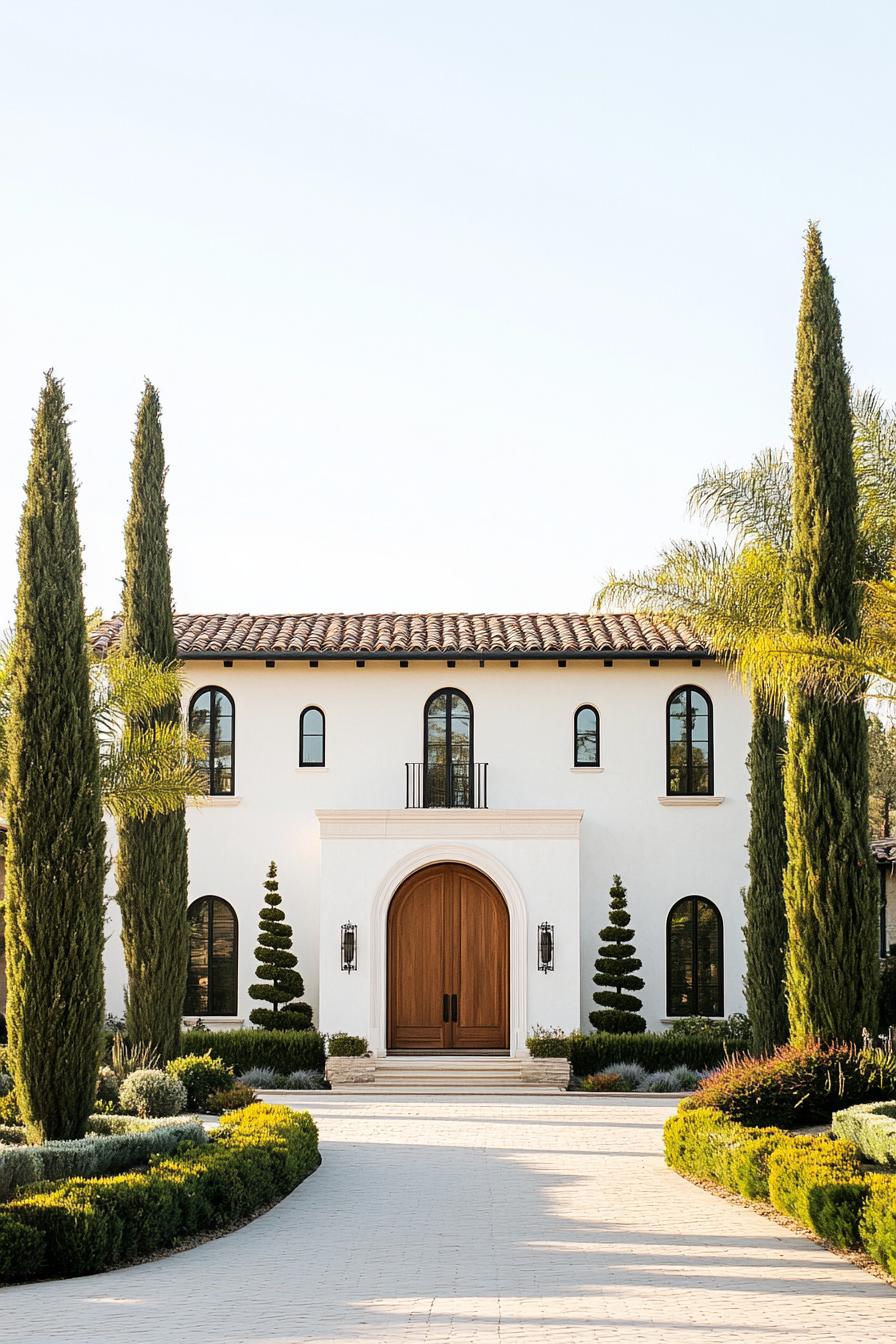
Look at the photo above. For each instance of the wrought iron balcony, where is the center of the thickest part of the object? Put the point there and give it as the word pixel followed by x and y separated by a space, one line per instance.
pixel 436 786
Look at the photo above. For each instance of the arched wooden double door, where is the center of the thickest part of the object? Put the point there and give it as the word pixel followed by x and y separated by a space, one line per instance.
pixel 448 965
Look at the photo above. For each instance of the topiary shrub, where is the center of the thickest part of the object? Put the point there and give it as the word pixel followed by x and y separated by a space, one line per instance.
pixel 152 1092
pixel 615 969
pixel 797 1086
pixel 871 1128
pixel 280 984
pixel 341 1044
pixel 281 1051
pixel 201 1075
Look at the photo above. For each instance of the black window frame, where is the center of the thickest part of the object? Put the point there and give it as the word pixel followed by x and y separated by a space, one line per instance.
pixel 693 900
pixel 235 956
pixel 448 692
pixel 585 765
pixel 217 690
pixel 690 792
pixel 310 765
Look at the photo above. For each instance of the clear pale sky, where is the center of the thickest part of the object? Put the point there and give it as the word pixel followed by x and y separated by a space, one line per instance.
pixel 447 303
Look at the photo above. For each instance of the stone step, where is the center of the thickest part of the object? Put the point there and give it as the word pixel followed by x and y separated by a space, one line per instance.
pixel 446 1073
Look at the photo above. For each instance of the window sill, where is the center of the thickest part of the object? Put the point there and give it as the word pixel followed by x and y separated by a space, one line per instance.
pixel 317 769
pixel 214 800
pixel 586 769
pixel 671 1021
pixel 690 799
pixel 218 1021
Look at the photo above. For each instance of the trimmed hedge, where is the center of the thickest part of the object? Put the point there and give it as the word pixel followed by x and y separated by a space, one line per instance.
pixel 82 1226
pixel 871 1128
pixel 813 1178
pixel 341 1045
pixel 282 1051
pixel 96 1155
pixel 654 1051
pixel 797 1086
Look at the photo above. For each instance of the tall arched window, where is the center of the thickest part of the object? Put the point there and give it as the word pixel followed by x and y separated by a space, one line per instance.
pixel 312 736
pixel 448 750
pixel 689 765
pixel 212 973
pixel 694 952
pixel 211 720
pixel 587 736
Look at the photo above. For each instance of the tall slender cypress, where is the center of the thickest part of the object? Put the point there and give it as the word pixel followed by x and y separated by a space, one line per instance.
pixel 832 966
pixel 765 932
pixel 56 851
pixel 152 851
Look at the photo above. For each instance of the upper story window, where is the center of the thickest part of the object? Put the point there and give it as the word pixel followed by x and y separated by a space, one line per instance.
pixel 211 720
pixel 694 959
pixel 312 736
pixel 448 750
pixel 587 736
pixel 689 765
pixel 212 971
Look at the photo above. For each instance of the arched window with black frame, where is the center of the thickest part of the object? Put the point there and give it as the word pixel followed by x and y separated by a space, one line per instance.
pixel 694 959
pixel 586 736
pixel 212 721
pixel 312 736
pixel 212 971
pixel 448 750
pixel 689 751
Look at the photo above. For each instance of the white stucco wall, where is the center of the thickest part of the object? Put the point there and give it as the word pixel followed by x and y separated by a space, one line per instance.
pixel 523 728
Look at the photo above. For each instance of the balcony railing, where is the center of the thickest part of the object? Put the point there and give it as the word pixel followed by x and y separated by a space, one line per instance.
pixel 459 786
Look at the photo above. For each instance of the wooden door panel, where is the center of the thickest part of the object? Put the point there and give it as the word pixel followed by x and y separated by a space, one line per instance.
pixel 481 954
pixel 416 950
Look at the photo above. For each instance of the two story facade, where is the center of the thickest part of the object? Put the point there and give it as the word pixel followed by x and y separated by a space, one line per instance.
pixel 447 798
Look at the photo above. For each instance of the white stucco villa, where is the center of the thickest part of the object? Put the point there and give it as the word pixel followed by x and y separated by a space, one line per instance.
pixel 447 798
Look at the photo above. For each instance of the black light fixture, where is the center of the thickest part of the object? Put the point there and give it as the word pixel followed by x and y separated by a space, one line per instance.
pixel 349 947
pixel 545 947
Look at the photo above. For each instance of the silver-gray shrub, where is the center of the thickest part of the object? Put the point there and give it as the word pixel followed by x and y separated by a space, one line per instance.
pixel 662 1081
pixel 872 1128
pixel 300 1079
pixel 6 1084
pixel 632 1075
pixel 151 1093
pixel 261 1077
pixel 96 1155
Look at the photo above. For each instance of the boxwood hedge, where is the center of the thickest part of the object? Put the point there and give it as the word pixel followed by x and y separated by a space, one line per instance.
pixel 282 1051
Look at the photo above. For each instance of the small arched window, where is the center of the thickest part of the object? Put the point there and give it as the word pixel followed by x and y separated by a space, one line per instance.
pixel 587 736
pixel 689 764
pixel 694 952
pixel 312 736
pixel 212 972
pixel 211 720
pixel 448 750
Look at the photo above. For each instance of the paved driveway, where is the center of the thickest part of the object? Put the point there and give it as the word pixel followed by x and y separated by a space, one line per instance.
pixel 548 1218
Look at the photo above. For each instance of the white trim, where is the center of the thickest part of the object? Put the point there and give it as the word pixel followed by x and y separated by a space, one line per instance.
pixel 318 769
pixel 586 769
pixel 214 800
pixel 508 887
pixel 690 799
pixel 437 822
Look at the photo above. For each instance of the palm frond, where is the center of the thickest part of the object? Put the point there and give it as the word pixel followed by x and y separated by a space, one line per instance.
pixel 753 502
pixel 150 770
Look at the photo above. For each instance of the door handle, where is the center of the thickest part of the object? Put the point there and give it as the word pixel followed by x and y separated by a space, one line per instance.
pixel 453 1007
pixel 446 1002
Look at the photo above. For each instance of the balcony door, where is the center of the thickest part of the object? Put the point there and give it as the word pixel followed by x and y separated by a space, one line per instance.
pixel 448 750
pixel 448 971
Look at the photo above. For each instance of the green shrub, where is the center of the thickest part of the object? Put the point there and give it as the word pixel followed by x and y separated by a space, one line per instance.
pixel 12 1134
pixel 606 1082
pixel 9 1110
pixel 732 1033
pixel 871 1128
pixel 201 1075
pixel 342 1044
pixel 108 1086
pixel 549 1042
pixel 707 1144
pixel 652 1050
pixel 22 1250
pixel 256 1155
pixel 281 1051
pixel 877 1225
pixel 797 1086
pixel 152 1092
pixel 818 1180
pixel 96 1155
pixel 231 1098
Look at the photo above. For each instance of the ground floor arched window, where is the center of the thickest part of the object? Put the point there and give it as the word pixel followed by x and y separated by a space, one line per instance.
pixel 694 951
pixel 212 973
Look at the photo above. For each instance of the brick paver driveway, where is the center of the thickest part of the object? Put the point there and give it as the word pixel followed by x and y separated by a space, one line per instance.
pixel 478 1219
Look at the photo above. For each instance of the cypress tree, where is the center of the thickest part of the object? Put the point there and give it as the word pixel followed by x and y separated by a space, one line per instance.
pixel 765 932
pixel 616 965
pixel 152 851
pixel 283 984
pixel 832 966
pixel 56 851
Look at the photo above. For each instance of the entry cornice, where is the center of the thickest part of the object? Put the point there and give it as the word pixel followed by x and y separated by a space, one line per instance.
pixel 449 822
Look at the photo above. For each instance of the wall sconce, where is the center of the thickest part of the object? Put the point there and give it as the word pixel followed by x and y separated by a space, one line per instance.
pixel 349 947
pixel 545 947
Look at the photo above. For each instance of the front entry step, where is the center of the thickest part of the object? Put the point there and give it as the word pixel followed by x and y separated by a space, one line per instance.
pixel 452 1073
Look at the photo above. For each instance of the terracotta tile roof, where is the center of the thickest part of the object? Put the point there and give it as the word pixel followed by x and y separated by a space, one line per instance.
pixel 335 635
